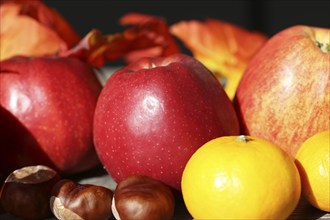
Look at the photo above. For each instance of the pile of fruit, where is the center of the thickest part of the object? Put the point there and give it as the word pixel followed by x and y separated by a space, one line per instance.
pixel 240 128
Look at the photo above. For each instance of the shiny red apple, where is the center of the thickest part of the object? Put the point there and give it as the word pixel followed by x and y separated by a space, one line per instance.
pixel 153 114
pixel 284 94
pixel 46 109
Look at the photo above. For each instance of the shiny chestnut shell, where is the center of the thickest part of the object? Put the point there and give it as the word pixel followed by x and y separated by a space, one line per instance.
pixel 71 200
pixel 26 192
pixel 142 197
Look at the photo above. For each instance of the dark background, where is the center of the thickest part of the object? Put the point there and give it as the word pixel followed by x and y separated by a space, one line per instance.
pixel 268 16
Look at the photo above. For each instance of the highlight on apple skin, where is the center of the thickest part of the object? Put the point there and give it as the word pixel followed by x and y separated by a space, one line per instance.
pixel 46 108
pixel 283 95
pixel 153 114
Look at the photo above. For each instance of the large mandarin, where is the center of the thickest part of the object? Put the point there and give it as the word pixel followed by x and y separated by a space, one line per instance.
pixel 240 177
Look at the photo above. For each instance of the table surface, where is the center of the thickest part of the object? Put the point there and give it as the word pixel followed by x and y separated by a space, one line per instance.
pixel 303 211
pixel 99 176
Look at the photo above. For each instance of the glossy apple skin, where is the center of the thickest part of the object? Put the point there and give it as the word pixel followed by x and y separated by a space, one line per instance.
pixel 46 108
pixel 152 115
pixel 284 93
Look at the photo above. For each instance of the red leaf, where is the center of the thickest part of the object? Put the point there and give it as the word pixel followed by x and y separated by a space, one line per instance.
pixel 149 36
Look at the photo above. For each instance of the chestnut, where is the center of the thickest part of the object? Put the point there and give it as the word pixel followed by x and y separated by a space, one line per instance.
pixel 71 200
pixel 142 197
pixel 26 192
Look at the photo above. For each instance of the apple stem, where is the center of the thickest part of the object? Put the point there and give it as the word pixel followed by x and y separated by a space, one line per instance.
pixel 323 46
pixel 243 138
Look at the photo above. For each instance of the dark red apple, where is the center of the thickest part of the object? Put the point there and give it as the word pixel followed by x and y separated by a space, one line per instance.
pixel 153 114
pixel 46 109
pixel 284 94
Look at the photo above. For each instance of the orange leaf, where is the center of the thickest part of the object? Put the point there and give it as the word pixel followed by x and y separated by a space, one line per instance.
pixel 222 47
pixel 149 36
pixel 31 28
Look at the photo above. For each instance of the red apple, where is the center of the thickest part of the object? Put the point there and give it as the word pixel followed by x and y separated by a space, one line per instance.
pixel 46 108
pixel 284 93
pixel 153 114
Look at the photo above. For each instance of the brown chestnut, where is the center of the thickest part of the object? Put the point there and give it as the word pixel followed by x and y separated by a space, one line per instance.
pixel 26 192
pixel 142 197
pixel 71 200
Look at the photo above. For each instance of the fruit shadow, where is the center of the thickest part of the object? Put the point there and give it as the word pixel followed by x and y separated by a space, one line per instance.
pixel 306 211
pixel 18 146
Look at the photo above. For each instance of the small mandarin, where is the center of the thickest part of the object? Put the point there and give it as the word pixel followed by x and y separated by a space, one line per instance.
pixel 313 162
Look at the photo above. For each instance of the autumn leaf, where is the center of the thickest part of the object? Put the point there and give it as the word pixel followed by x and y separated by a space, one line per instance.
pixel 152 36
pixel 31 28
pixel 222 47
pixel 148 36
